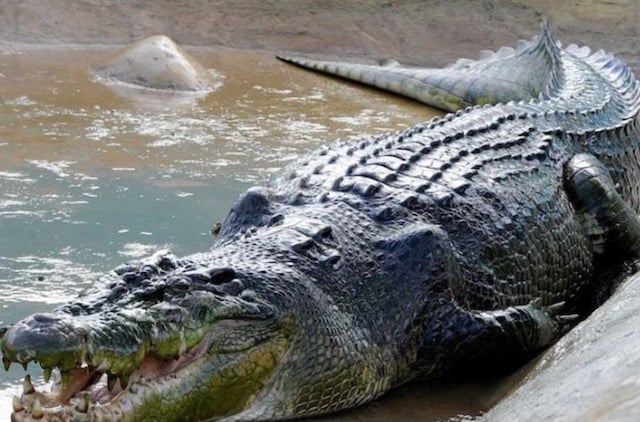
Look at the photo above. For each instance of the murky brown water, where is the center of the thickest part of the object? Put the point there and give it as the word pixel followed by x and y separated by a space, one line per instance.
pixel 93 175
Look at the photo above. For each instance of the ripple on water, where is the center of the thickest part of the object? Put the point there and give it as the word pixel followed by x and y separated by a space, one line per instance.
pixel 43 279
pixel 314 97
pixel 22 101
pixel 56 167
pixel 15 177
pixel 7 203
pixel 139 250
pixel 296 126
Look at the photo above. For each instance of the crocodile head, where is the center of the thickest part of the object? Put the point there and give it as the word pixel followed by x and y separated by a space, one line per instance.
pixel 161 339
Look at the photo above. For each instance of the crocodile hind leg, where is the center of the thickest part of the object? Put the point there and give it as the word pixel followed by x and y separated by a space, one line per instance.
pixel 611 224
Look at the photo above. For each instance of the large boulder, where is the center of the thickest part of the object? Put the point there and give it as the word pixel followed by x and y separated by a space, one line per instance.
pixel 157 62
pixel 591 374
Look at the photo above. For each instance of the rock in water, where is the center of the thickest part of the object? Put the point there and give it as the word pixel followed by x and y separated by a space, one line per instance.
pixel 157 62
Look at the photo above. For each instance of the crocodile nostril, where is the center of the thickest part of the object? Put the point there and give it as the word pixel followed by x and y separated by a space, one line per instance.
pixel 222 275
pixel 167 264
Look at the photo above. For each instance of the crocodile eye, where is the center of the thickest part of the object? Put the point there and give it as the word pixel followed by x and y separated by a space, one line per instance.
pixel 222 275
pixel 276 220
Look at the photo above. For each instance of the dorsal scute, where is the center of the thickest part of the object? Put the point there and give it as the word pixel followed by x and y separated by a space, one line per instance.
pixel 461 63
pixel 544 41
pixel 615 72
pixel 531 69
pixel 581 52
pixel 533 66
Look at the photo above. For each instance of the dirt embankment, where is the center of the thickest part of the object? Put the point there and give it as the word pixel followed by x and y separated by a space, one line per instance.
pixel 411 31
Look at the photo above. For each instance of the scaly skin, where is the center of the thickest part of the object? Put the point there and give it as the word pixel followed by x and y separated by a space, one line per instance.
pixel 369 263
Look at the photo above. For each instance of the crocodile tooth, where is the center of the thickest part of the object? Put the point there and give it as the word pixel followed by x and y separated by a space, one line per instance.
pixel 36 410
pixel 17 404
pixel 25 365
pixel 18 417
pixel 65 376
pixel 27 387
pixel 6 363
pixel 111 381
pixel 83 406
pixel 124 380
pixel 46 374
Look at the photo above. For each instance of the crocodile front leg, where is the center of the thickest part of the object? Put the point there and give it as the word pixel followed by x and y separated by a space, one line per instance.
pixel 455 336
pixel 459 338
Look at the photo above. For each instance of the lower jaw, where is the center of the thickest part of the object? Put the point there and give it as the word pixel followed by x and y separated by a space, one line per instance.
pixel 164 398
pixel 210 386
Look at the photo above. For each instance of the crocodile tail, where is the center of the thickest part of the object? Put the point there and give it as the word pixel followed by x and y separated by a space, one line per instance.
pixel 527 71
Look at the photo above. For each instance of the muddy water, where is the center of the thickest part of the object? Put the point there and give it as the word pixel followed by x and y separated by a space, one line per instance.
pixel 94 175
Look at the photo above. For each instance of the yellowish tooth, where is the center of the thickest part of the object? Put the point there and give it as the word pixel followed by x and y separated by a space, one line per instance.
pixel 6 363
pixel 124 380
pixel 83 406
pixel 111 381
pixel 18 417
pixel 46 373
pixel 17 404
pixel 36 410
pixel 27 387
pixel 65 376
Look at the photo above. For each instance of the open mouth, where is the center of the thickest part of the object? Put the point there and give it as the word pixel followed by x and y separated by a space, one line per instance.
pixel 86 393
pixel 84 388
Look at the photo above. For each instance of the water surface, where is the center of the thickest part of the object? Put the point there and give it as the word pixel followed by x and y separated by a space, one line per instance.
pixel 94 175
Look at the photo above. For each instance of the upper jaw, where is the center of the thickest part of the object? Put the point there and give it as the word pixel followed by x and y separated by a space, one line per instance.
pixel 85 393
pixel 148 327
pixel 117 323
pixel 118 355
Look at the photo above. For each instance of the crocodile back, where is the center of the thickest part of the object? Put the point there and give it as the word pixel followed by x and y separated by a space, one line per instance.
pixel 490 177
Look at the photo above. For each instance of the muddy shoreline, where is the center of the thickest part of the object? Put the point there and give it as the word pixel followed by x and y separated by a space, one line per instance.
pixel 411 31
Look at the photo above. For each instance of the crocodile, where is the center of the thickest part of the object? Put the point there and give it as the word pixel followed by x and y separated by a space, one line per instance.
pixel 466 241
